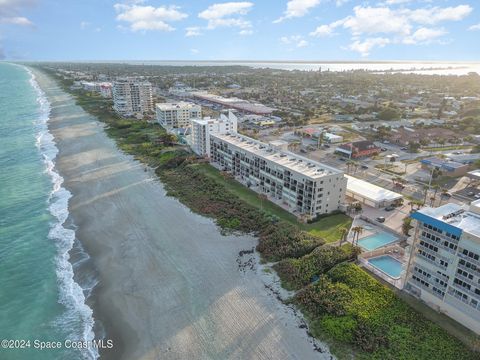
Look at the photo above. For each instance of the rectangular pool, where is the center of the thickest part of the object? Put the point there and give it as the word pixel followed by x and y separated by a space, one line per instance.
pixel 387 264
pixel 377 240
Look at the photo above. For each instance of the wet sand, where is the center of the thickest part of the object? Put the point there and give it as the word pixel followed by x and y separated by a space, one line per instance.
pixel 170 285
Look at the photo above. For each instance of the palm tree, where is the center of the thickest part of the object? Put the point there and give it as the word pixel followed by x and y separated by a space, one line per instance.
pixel 436 187
pixel 349 164
pixel 262 197
pixel 343 236
pixel 425 189
pixel 357 230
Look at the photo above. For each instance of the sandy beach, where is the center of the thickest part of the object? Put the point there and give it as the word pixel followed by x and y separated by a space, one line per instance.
pixel 170 285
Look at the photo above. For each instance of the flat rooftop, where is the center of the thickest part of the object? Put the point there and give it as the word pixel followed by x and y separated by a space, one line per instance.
pixel 234 103
pixel 442 163
pixel 370 191
pixel 462 217
pixel 291 161
pixel 175 106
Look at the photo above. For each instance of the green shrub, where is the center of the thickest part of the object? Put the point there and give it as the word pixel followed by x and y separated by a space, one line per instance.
pixel 296 273
pixel 339 327
pixel 351 306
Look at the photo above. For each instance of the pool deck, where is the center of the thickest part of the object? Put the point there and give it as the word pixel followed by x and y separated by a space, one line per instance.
pixel 395 251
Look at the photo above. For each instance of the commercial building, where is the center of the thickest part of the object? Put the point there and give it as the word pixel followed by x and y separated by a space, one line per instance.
pixel 447 167
pixel 203 128
pixel 332 138
pixel 233 103
pixel 358 149
pixel 300 185
pixel 177 115
pixel 370 194
pixel 444 267
pixel 132 97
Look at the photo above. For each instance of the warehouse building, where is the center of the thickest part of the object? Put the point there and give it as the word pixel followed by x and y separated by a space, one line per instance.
pixel 370 194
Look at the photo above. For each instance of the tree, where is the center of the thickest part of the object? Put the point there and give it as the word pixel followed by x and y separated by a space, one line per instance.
pixel 413 147
pixel 406 225
pixel 262 197
pixel 424 141
pixel 425 190
pixel 344 234
pixel 357 231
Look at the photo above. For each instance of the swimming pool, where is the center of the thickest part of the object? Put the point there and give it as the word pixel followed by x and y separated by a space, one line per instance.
pixel 377 240
pixel 387 264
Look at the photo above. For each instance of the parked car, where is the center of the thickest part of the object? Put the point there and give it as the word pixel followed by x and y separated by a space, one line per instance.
pixel 447 195
pixel 403 148
pixel 383 149
pixel 326 146
pixel 364 167
pixel 471 193
pixel 390 208
pixel 477 196
pixel 342 159
pixel 381 219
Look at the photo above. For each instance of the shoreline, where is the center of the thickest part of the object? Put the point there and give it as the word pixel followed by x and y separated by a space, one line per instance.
pixel 133 281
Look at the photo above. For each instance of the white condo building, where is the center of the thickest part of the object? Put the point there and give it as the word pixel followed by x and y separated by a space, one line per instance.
pixel 203 128
pixel 298 184
pixel 444 267
pixel 177 115
pixel 132 97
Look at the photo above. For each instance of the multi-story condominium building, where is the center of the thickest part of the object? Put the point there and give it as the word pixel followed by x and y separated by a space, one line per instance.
pixel 132 97
pixel 444 266
pixel 203 128
pixel 300 185
pixel 177 115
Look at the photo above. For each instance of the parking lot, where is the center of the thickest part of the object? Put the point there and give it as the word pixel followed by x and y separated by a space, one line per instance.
pixel 469 193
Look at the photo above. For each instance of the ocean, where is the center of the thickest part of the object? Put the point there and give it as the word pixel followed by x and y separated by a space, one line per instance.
pixel 39 299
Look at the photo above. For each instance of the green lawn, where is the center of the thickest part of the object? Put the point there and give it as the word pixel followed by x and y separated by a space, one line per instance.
pixel 328 228
pixel 446 148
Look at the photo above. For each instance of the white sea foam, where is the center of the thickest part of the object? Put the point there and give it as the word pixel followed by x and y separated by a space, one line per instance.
pixel 78 315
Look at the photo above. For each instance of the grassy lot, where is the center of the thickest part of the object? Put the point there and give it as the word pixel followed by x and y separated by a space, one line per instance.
pixel 447 148
pixel 328 228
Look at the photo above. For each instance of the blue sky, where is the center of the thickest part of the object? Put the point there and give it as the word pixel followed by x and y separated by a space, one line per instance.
pixel 240 30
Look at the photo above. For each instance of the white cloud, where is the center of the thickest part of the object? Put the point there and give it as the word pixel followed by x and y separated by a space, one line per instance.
pixel 143 18
pixel 10 12
pixel 373 27
pixel 245 32
pixel 424 35
pixel 474 27
pixel 229 14
pixel 370 20
pixel 364 47
pixel 294 40
pixel 326 30
pixel 84 25
pixel 341 2
pixel 194 51
pixel 193 31
pixel 396 2
pixel 434 15
pixel 16 20
pixel 297 8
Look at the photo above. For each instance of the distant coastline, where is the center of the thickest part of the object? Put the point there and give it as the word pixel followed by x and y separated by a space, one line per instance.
pixel 420 67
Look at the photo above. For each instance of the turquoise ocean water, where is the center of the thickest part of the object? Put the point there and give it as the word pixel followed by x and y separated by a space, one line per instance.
pixel 38 298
